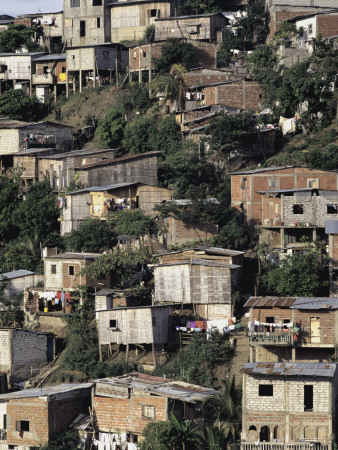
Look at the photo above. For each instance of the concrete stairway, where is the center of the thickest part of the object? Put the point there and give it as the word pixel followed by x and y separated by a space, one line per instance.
pixel 241 356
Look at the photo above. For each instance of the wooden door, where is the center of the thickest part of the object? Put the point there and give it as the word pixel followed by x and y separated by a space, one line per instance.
pixel 315 330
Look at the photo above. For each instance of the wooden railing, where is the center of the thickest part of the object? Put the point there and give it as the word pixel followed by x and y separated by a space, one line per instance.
pixel 274 338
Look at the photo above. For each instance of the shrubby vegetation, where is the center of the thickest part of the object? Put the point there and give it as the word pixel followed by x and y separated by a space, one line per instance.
pixel 15 105
pixel 195 363
pixel 17 36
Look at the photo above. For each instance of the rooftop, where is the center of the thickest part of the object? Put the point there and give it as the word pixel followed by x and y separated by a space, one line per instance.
pixel 323 370
pixel 200 262
pixel 109 187
pixel 262 170
pixel 46 391
pixel 206 250
pixel 159 386
pixel 118 160
pixel 6 123
pixel 119 308
pixel 71 255
pixel 55 57
pixel 301 303
pixel 190 17
pixel 16 274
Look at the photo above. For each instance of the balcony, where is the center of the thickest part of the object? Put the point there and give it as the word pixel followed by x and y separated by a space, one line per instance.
pixel 309 445
pixel 45 78
pixel 3 435
pixel 278 338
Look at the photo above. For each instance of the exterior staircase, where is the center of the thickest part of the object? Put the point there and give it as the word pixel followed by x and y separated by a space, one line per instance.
pixel 242 353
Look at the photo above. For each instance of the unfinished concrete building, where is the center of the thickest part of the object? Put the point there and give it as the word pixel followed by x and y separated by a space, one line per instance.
pixel 49 76
pixel 204 285
pixel 289 405
pixel 30 417
pixel 23 352
pixel 124 405
pixel 86 22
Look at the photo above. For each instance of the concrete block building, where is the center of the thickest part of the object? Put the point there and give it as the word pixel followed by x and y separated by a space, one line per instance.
pixel 292 329
pixel 86 22
pixel 289 404
pixel 23 350
pixel 124 405
pixel 63 271
pixel 31 416
pixel 17 281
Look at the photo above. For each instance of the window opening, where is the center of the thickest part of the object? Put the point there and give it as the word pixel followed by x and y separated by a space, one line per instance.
pixel 148 412
pixel 265 390
pixel 71 270
pixel 332 209
pixel 82 28
pixel 270 320
pixel 113 323
pixel 74 3
pixel 298 209
pixel 53 269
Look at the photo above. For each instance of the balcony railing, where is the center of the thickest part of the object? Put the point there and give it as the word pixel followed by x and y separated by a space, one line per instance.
pixel 285 446
pixel 274 338
pixel 46 78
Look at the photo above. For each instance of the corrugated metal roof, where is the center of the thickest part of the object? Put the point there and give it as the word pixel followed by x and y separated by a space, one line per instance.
pixel 331 226
pixel 109 187
pixel 265 169
pixel 283 191
pixel 325 370
pixel 55 57
pixel 118 160
pixel 16 274
pixel 329 303
pixel 104 292
pixel 160 386
pixel 200 262
pixel 46 391
pixel 207 250
pixel 268 302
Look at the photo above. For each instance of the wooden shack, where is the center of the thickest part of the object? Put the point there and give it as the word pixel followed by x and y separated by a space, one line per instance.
pixel 98 202
pixel 16 136
pixel 140 325
pixel 204 252
pixel 94 63
pixel 141 168
pixel 129 20
pixel 207 27
pixel 204 285
pixel 55 164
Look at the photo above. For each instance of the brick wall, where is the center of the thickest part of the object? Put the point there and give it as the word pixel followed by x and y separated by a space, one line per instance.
pixel 180 232
pixel 242 95
pixel 245 187
pixel 327 25
pixel 126 414
pixel 28 348
pixel 303 321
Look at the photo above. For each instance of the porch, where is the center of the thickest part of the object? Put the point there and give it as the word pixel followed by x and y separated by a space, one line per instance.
pixel 308 445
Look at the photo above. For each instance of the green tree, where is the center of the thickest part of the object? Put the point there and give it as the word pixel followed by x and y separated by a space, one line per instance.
pixel 110 129
pixel 167 137
pixel 299 275
pixel 92 235
pixel 19 35
pixel 228 133
pixel 132 223
pixel 63 439
pixel 158 436
pixel 138 135
pixel 11 313
pixel 121 265
pixel 226 408
pixel 233 234
pixel 171 85
pixel 9 200
pixel 192 7
pixel 212 438
pixel 15 105
pixel 38 214
pixel 185 433
pixel 175 51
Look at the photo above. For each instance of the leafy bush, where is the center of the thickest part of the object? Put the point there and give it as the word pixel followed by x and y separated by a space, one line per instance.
pixel 15 105
pixel 195 363
pixel 132 223
pixel 175 51
pixel 93 235
pixel 110 129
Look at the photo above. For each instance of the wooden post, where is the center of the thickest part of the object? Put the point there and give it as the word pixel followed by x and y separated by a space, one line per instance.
pixel 116 73
pixel 80 76
pixel 100 352
pixel 154 355
pixel 127 353
pixel 67 84
pixel 110 76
